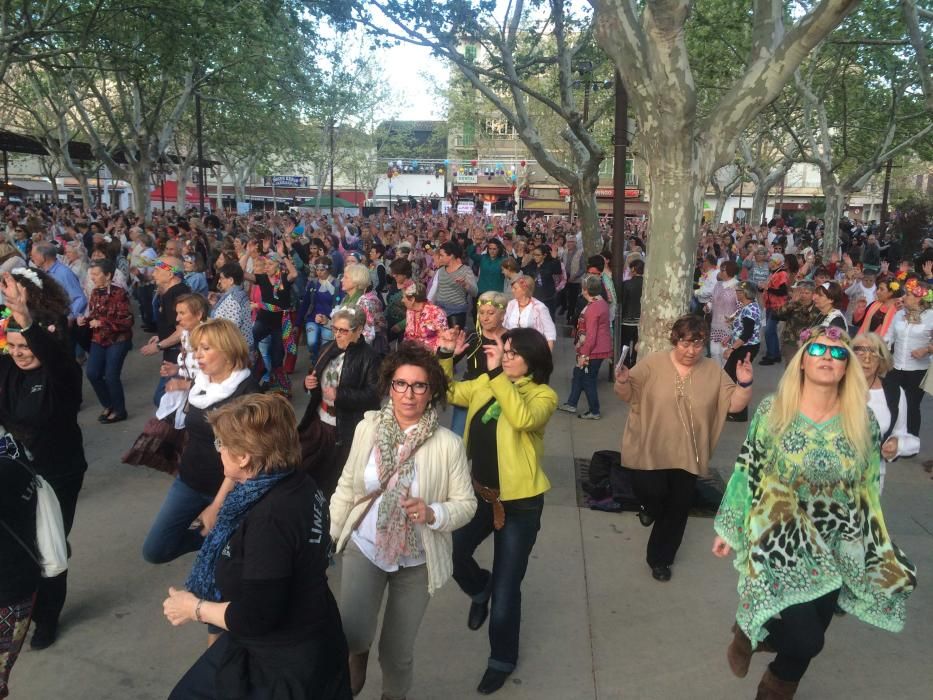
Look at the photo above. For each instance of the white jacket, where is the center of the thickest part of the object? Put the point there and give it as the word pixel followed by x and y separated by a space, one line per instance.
pixel 444 481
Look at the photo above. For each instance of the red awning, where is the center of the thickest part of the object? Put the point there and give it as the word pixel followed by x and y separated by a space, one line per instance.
pixel 171 193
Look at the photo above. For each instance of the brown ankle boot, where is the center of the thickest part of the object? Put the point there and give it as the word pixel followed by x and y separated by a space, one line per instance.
pixel 773 688
pixel 358 672
pixel 739 653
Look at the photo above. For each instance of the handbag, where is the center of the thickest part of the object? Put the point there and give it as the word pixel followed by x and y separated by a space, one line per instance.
pixel 927 383
pixel 51 547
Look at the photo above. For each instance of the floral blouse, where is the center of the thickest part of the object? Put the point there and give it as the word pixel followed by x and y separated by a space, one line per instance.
pixel 425 326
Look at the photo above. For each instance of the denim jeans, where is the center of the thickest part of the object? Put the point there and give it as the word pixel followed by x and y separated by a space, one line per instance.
pixel 512 546
pixel 276 356
pixel 585 381
pixel 104 365
pixel 772 341
pixel 170 535
pixel 159 390
pixel 318 336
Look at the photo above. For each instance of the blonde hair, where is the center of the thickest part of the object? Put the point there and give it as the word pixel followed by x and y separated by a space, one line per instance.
pixel 852 391
pixel 497 299
pixel 527 283
pixel 876 342
pixel 262 427
pixel 223 335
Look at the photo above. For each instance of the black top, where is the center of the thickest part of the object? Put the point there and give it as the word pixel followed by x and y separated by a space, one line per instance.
pixel 357 391
pixel 165 323
pixel 475 356
pixel 483 449
pixel 200 466
pixel 281 299
pixel 39 407
pixel 631 299
pixel 543 275
pixel 273 570
pixel 19 572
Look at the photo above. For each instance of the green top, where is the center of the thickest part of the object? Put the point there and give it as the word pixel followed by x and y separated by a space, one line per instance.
pixel 803 514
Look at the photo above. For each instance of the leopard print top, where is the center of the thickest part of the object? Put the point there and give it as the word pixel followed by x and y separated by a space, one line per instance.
pixel 803 514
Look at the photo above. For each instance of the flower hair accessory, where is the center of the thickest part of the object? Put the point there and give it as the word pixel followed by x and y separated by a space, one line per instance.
pixel 805 335
pixel 894 286
pixel 26 273
pixel 833 333
pixel 914 288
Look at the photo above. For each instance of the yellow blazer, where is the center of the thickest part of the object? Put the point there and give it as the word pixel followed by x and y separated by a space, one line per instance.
pixel 526 409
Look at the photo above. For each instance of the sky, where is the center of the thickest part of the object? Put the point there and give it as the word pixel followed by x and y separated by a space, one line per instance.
pixel 412 72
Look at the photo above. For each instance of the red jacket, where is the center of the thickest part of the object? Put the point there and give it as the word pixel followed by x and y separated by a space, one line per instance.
pixel 111 307
pixel 778 291
pixel 593 337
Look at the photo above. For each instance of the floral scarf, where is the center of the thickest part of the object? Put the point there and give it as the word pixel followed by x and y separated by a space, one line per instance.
pixel 395 460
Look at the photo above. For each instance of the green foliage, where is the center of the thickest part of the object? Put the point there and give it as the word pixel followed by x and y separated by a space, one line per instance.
pixel 912 219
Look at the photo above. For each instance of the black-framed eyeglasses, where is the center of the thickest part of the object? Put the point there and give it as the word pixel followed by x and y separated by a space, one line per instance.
pixel 837 352
pixel 509 354
pixel 400 386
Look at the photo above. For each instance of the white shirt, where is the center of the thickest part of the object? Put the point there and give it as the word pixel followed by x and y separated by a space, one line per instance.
pixel 534 315
pixel 365 535
pixel 903 338
pixel 905 443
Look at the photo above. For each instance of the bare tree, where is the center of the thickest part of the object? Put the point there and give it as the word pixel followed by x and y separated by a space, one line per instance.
pixel 724 182
pixel 766 163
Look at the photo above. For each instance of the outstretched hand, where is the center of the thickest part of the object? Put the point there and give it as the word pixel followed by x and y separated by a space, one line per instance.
pixel 721 548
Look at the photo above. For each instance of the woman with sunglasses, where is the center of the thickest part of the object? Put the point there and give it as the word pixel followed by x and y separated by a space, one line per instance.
pixel 404 489
pixel 508 408
pixel 341 387
pixel 803 514
pixel 679 401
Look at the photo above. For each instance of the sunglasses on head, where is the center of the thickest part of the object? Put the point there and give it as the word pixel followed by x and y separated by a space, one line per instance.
pixel 837 352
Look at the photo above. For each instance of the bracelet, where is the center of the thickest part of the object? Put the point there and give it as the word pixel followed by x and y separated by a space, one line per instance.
pixel 745 385
pixel 197 610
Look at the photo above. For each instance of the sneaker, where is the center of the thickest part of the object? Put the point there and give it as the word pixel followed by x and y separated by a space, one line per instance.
pixel 567 408
pixel 590 416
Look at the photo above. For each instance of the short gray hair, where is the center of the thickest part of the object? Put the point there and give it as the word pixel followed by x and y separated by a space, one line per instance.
pixel 48 251
pixel 354 316
pixel 359 275
pixel 748 289
pixel 593 285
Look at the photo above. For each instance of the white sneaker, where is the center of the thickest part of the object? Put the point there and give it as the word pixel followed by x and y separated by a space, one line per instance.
pixel 567 408
pixel 589 416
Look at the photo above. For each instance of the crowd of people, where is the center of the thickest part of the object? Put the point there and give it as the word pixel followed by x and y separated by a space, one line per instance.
pixel 401 315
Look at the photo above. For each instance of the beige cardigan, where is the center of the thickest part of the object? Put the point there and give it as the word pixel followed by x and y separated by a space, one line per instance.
pixel 444 481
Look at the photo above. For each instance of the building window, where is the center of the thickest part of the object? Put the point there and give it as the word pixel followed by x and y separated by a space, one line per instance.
pixel 469 133
pixel 498 129
pixel 470 53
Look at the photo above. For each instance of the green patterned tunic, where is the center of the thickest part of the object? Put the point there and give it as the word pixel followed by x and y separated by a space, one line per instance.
pixel 802 513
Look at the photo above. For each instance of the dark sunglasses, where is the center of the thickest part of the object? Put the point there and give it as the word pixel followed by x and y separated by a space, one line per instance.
pixel 835 351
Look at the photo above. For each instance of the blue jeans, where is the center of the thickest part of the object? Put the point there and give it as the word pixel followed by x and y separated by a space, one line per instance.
pixel 170 535
pixel 160 390
pixel 276 351
pixel 512 546
pixel 772 341
pixel 585 381
pixel 317 335
pixel 104 365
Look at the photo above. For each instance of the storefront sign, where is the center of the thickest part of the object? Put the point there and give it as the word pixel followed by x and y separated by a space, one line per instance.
pixel 285 181
pixel 466 179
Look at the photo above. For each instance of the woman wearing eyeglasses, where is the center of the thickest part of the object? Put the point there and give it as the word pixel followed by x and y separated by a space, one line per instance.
pixel 803 514
pixel 679 400
pixel 404 489
pixel 508 408
pixel 341 388
pixel 886 399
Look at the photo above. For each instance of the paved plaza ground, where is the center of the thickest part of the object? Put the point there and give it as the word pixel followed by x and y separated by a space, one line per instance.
pixel 596 625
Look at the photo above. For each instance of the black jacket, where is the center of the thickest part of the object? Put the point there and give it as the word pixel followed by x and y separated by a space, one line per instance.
pixel 39 407
pixel 19 571
pixel 357 392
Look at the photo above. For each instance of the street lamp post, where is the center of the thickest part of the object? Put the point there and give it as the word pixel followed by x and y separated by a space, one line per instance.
pixel 619 145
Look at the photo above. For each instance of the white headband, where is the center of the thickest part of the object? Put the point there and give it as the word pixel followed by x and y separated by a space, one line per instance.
pixel 28 274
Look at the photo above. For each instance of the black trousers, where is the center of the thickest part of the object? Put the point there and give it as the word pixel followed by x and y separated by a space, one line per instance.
pixel 910 381
pixel 571 295
pixel 629 336
pixel 51 593
pixel 666 495
pixel 729 368
pixel 798 635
